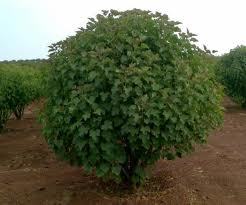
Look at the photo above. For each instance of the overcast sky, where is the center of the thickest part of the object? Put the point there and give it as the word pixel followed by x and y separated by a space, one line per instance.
pixel 28 27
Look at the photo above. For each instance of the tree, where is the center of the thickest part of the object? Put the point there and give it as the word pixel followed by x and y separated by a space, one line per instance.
pixel 19 86
pixel 5 110
pixel 232 73
pixel 127 90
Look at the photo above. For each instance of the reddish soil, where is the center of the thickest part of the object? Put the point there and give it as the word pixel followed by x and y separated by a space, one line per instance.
pixel 215 173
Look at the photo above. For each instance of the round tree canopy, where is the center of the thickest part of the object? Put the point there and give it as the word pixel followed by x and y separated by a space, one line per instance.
pixel 127 90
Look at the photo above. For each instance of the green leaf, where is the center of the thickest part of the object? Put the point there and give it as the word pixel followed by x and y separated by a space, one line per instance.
pixel 94 134
pixel 123 59
pixel 104 167
pixel 116 170
pixel 155 87
pixel 81 145
pixel 83 130
pixel 92 75
pixel 98 111
pixel 86 116
pixel 107 125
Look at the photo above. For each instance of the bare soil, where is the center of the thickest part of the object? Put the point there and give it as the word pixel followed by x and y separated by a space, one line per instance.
pixel 215 173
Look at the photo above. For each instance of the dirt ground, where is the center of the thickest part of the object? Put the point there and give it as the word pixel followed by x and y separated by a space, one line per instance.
pixel 214 174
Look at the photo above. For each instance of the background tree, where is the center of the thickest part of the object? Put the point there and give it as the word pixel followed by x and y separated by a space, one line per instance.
pixel 19 86
pixel 232 73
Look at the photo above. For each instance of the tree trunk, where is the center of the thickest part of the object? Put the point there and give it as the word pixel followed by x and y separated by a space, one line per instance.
pixel 19 113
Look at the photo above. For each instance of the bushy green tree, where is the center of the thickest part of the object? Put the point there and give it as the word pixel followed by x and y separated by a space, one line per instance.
pixel 5 110
pixel 232 73
pixel 25 87
pixel 127 90
pixel 18 88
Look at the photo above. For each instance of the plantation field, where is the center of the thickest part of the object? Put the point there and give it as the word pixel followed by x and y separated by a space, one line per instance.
pixel 214 174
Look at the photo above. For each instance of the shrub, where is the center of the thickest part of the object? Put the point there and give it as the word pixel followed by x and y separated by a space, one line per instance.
pixel 19 87
pixel 232 73
pixel 5 110
pixel 4 116
pixel 25 89
pixel 127 90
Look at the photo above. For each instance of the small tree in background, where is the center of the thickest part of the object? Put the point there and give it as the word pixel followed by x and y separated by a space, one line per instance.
pixel 232 73
pixel 27 87
pixel 5 110
pixel 127 90
pixel 18 88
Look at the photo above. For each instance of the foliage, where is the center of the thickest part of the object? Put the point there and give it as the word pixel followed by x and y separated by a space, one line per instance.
pixel 41 64
pixel 232 72
pixel 18 88
pixel 5 110
pixel 127 90
pixel 27 88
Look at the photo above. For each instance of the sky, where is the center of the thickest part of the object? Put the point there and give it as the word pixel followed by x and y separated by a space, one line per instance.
pixel 28 27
